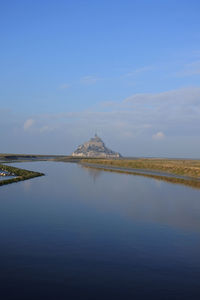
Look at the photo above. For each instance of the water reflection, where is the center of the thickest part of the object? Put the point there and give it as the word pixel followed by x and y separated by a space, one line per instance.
pixel 92 172
pixel 26 185
pixel 6 177
pixel 148 200
pixel 124 237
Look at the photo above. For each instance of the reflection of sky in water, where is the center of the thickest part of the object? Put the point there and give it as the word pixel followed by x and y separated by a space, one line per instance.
pixel 122 229
pixel 93 173
pixel 6 177
pixel 134 197
pixel 26 185
pixel 152 200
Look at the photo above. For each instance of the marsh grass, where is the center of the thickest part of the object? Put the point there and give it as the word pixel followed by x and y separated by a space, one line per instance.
pixel 20 174
pixel 194 183
pixel 183 167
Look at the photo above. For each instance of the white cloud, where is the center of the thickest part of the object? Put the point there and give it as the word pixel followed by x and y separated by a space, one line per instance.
pixel 177 96
pixel 108 103
pixel 44 128
pixel 139 71
pixel 28 124
pixel 158 136
pixel 176 113
pixel 132 124
pixel 89 80
pixel 64 86
pixel 190 69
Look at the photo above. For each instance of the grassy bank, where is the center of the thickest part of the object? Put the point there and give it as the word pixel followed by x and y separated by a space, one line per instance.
pixel 27 157
pixel 20 174
pixel 182 167
pixel 194 183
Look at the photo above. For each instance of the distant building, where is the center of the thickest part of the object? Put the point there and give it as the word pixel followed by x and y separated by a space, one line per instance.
pixel 95 147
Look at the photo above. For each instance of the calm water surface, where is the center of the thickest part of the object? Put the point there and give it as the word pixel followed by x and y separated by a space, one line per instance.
pixel 5 177
pixel 79 233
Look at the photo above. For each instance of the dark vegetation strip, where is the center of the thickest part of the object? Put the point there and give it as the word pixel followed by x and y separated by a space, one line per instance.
pixel 7 158
pixel 20 174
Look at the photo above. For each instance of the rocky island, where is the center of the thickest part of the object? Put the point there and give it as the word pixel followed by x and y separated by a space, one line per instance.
pixel 95 147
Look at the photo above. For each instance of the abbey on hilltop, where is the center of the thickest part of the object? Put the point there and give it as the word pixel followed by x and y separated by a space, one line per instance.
pixel 95 147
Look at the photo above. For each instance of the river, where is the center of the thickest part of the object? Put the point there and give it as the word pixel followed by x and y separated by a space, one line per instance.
pixel 81 233
pixel 6 177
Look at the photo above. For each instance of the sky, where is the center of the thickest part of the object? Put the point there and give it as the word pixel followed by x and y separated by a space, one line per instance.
pixel 128 70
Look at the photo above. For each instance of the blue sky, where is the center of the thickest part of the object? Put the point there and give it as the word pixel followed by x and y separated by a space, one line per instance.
pixel 129 70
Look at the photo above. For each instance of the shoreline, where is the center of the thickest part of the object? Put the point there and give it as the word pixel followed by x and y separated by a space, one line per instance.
pixel 178 171
pixel 171 178
pixel 19 174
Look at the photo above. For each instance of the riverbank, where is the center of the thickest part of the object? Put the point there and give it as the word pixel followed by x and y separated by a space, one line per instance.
pixel 172 170
pixel 182 167
pixel 7 158
pixel 182 171
pixel 18 174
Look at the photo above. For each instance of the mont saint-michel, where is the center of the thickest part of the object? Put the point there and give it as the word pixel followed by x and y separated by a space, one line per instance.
pixel 95 147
